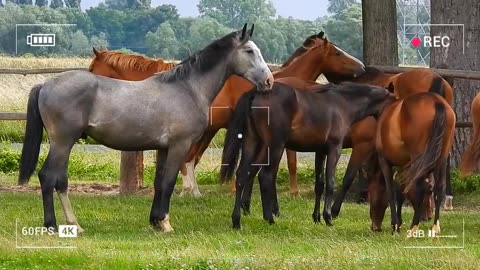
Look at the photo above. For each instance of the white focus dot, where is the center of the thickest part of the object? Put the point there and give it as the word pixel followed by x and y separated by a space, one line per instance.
pixel 240 135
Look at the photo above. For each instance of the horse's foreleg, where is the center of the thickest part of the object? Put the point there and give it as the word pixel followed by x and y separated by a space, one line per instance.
pixel 189 184
pixel 165 183
pixel 292 172
pixel 334 152
pixel 386 169
pixel 319 184
pixel 359 154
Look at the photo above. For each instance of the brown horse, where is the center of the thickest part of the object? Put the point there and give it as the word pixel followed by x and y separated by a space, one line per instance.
pixel 127 67
pixel 416 133
pixel 471 156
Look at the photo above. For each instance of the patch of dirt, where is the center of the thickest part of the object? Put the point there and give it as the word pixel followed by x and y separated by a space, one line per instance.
pixel 97 189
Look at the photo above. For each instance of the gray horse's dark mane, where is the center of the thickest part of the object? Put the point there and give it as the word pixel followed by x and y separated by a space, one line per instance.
pixel 202 60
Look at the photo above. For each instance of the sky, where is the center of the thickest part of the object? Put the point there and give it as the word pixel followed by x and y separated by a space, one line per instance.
pixel 298 9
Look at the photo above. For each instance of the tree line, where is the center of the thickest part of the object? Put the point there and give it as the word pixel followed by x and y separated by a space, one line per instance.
pixel 135 26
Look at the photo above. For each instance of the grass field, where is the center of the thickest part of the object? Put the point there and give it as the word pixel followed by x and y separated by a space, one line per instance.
pixel 118 236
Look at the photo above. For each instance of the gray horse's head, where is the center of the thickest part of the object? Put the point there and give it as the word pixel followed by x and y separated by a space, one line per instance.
pixel 247 61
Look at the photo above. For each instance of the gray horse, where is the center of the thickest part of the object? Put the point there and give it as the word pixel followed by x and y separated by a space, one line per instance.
pixel 166 112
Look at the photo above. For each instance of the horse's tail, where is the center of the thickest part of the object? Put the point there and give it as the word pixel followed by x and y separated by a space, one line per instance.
pixel 423 165
pixel 33 137
pixel 471 157
pixel 233 143
pixel 437 86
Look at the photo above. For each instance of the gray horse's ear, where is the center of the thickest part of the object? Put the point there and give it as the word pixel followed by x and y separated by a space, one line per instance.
pixel 321 34
pixel 244 31
pixel 97 54
pixel 251 30
pixel 391 88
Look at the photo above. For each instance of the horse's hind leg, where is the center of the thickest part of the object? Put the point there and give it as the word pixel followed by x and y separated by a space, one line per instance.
pixel 441 174
pixel 53 175
pixel 386 169
pixel 165 179
pixel 319 184
pixel 267 178
pixel 418 203
pixel 448 204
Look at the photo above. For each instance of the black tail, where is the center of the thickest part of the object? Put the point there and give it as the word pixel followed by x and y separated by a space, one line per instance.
pixel 232 145
pixel 437 86
pixel 33 137
pixel 423 165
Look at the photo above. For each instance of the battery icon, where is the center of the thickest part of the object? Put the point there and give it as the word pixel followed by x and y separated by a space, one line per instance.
pixel 41 40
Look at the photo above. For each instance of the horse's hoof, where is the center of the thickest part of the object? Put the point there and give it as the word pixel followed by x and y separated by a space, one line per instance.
pixel 271 221
pixel 192 192
pixel 335 212
pixel 395 230
pixel 165 225
pixel 316 218
pixel 436 228
pixel 448 204
pixel 276 213
pixel 236 226
pixel 375 228
pixel 412 233
pixel 328 219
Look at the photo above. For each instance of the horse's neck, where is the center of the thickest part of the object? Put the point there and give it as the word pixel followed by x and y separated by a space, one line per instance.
pixel 206 86
pixel 305 69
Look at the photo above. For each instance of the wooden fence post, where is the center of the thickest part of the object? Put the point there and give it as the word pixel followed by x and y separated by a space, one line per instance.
pixel 131 172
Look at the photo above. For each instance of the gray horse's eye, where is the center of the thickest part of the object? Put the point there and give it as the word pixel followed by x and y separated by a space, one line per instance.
pixel 249 51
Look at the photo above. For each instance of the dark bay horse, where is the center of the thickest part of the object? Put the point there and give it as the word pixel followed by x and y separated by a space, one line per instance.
pixel 167 112
pixel 416 134
pixel 309 121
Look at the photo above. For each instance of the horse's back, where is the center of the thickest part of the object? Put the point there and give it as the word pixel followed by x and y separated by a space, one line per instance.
pixel 419 80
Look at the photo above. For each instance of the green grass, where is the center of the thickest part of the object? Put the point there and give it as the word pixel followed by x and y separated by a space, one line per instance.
pixel 118 236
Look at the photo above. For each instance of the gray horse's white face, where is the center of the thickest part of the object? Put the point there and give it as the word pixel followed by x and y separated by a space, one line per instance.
pixel 247 61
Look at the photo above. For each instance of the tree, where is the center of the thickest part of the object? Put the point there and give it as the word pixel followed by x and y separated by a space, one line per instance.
pixel 127 4
pixel 80 45
pixel 56 4
pixel 72 3
pixel 99 41
pixel 25 2
pixel 162 42
pixel 453 57
pixel 204 30
pixel 379 32
pixel 339 6
pixel 346 30
pixel 41 3
pixel 234 13
pixel 270 38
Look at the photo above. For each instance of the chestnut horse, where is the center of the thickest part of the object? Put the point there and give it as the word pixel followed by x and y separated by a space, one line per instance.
pixel 363 133
pixel 307 63
pixel 471 156
pixel 310 121
pixel 415 133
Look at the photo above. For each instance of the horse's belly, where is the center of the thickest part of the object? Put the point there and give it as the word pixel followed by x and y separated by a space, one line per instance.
pixel 396 153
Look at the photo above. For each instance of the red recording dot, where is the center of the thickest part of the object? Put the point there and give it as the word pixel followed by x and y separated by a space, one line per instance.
pixel 416 42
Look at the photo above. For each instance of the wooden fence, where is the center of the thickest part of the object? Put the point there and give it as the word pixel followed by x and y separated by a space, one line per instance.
pixel 131 170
